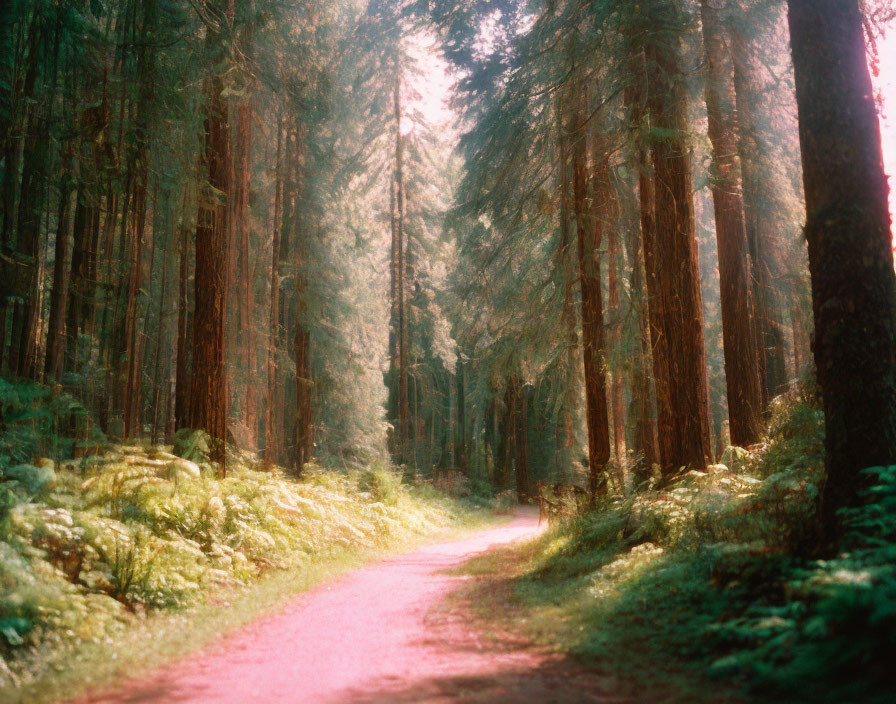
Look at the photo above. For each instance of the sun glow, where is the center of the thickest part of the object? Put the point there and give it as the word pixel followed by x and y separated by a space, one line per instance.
pixel 885 84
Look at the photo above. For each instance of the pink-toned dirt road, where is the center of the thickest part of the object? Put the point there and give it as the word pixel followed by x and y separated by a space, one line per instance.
pixel 380 635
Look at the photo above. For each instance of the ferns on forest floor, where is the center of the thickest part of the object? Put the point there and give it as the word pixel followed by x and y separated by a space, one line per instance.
pixel 120 535
pixel 704 578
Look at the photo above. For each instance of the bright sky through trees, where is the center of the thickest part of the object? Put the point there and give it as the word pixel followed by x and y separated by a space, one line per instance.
pixel 886 84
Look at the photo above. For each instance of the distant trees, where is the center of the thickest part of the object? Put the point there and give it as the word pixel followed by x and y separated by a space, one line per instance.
pixel 138 217
pixel 252 218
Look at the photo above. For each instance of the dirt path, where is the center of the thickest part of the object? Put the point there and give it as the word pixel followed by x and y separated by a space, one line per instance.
pixel 380 635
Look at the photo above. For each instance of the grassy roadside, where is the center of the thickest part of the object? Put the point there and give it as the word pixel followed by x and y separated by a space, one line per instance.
pixel 699 589
pixel 133 558
pixel 512 591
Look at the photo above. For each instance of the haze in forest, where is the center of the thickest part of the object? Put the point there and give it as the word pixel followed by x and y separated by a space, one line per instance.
pixel 597 296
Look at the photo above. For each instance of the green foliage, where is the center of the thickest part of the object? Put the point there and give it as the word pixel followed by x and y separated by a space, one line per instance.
pixel 119 536
pixel 193 445
pixel 383 485
pixel 36 420
pixel 702 579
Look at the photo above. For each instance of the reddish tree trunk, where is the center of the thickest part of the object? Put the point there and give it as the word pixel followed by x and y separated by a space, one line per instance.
pixel 521 442
pixel 271 444
pixel 616 390
pixel 59 296
pixel 589 232
pixel 184 332
pixel 673 272
pixel 568 270
pixel 249 405
pixel 208 389
pixel 762 220
pixel 738 332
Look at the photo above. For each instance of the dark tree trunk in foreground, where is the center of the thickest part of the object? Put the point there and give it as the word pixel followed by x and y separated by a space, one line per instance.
pixel 738 331
pixel 460 440
pixel 673 272
pixel 589 230
pixel 642 396
pixel 567 266
pixel 208 389
pixel 850 249
pixel 246 278
pixel 399 406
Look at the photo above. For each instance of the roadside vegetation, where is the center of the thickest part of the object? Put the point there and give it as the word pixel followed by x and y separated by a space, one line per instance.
pixel 104 549
pixel 704 585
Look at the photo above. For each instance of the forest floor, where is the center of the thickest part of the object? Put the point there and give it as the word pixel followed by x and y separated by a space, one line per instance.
pixel 385 633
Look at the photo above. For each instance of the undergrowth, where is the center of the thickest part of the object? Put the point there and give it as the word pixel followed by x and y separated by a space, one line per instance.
pixel 104 541
pixel 700 585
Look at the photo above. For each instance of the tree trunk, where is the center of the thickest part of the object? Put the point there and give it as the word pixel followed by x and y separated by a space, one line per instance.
pixel 673 272
pixel 850 248
pixel 304 395
pixel 208 389
pixel 59 296
pixel 271 445
pixel 521 442
pixel 762 220
pixel 568 269
pixel 460 454
pixel 508 436
pixel 589 231
pixel 614 264
pixel 184 332
pixel 403 406
pixel 738 332
pixel 247 304
pixel 158 394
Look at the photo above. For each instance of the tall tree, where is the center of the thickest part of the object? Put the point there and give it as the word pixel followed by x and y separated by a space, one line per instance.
pixel 673 275
pixel 850 247
pixel 738 329
pixel 589 230
pixel 208 388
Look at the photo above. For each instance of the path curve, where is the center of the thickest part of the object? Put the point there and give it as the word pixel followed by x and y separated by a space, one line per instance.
pixel 379 635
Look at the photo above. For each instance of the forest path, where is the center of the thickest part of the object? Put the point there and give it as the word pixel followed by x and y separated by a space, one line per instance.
pixel 383 634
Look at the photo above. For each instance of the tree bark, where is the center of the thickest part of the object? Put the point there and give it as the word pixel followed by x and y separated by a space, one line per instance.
pixel 208 389
pixel 567 266
pixel 271 445
pixel 738 331
pixel 615 339
pixel 184 331
pixel 246 301
pixel 762 218
pixel 521 442
pixel 850 249
pixel 59 296
pixel 673 271
pixel 589 231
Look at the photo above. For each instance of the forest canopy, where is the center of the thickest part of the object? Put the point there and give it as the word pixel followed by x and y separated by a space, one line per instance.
pixel 602 256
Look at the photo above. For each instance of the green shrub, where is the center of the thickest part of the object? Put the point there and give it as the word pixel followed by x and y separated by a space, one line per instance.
pixel 383 485
pixel 193 445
